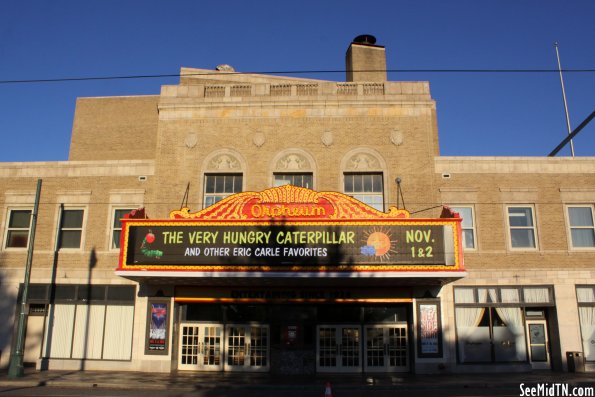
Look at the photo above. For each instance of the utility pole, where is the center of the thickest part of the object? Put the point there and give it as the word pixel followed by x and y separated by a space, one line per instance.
pixel 15 368
pixel 564 99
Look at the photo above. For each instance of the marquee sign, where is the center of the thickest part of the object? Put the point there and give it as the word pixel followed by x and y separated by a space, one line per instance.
pixel 291 229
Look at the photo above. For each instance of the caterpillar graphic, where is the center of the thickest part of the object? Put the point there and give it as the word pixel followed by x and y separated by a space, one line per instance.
pixel 146 251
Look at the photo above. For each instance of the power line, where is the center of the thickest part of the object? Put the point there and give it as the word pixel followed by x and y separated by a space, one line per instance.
pixel 288 72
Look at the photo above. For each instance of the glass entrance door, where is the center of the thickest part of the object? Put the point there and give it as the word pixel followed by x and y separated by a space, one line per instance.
pixel 386 348
pixel 247 347
pixel 539 354
pixel 201 347
pixel 338 348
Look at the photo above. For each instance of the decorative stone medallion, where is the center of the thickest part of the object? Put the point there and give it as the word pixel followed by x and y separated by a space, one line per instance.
pixel 258 139
pixel 396 137
pixel 327 138
pixel 191 140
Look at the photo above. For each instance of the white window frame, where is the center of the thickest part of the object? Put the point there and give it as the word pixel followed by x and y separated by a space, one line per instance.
pixel 473 227
pixel 570 227
pixel 83 227
pixel 225 195
pixel 363 193
pixel 7 228
pixel 509 228
pixel 111 226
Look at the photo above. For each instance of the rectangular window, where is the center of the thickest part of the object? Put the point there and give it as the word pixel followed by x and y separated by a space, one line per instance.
pixel 19 225
pixel 71 228
pixel 117 226
pixel 301 180
pixel 467 226
pixel 367 188
pixel 219 186
pixel 582 228
pixel 522 227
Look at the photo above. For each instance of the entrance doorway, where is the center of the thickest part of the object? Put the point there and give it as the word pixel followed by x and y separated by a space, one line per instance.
pixel 201 347
pixel 247 347
pixel 338 348
pixel 215 347
pixel 296 339
pixel 539 351
pixel 386 348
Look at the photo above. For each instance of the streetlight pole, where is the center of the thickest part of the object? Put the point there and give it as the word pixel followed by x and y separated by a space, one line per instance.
pixel 15 368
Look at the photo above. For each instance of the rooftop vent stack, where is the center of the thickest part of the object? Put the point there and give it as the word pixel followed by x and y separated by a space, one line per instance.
pixel 365 61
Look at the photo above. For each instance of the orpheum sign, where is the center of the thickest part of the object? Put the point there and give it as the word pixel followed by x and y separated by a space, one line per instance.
pixel 291 229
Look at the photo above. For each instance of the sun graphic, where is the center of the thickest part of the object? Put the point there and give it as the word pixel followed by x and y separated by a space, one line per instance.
pixel 380 241
pixel 378 245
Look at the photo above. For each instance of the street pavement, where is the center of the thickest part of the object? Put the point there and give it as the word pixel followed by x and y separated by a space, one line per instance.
pixel 197 381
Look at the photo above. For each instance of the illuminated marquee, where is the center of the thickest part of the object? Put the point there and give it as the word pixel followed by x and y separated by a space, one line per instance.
pixel 292 229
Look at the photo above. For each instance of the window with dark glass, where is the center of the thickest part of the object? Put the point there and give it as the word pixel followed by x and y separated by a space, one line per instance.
pixel 19 225
pixel 467 225
pixel 522 227
pixel 365 187
pixel 219 186
pixel 71 228
pixel 582 228
pixel 117 226
pixel 301 180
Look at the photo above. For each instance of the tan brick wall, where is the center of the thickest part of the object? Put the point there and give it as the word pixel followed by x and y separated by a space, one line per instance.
pixel 114 128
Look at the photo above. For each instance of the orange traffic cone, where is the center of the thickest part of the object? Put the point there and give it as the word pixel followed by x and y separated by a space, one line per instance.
pixel 327 390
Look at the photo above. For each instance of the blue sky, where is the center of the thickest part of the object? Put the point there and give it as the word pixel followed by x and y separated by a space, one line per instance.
pixel 479 114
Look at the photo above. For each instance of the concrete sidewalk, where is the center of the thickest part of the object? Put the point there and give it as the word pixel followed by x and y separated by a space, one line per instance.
pixel 188 381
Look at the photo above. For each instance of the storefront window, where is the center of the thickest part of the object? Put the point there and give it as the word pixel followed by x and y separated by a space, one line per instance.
pixel 586 310
pixel 509 335
pixel 489 321
pixel 86 322
pixel 481 329
pixel 473 334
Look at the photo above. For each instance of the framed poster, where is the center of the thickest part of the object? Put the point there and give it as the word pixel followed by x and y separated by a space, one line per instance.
pixel 429 329
pixel 157 339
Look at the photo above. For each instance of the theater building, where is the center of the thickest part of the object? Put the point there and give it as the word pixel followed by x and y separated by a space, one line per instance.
pixel 245 222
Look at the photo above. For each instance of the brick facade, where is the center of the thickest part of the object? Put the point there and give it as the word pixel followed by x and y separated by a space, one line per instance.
pixel 128 152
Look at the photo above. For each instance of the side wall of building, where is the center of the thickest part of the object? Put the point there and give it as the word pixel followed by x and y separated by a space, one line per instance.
pixel 114 128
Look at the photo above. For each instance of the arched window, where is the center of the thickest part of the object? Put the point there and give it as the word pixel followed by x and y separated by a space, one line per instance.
pixel 223 176
pixel 363 177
